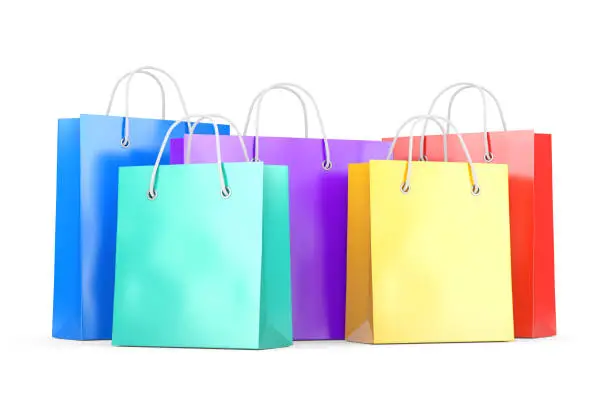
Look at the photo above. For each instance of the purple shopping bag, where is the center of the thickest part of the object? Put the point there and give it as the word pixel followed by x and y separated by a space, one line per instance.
pixel 318 215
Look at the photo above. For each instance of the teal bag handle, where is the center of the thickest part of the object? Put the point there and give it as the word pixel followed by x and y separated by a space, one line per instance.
pixel 225 189
pixel 223 118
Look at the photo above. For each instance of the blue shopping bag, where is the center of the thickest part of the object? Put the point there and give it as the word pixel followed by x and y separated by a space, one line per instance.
pixel 90 150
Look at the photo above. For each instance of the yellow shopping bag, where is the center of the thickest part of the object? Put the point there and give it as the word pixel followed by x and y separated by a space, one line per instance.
pixel 428 251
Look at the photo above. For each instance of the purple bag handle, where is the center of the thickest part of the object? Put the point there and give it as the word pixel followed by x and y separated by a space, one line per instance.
pixel 292 88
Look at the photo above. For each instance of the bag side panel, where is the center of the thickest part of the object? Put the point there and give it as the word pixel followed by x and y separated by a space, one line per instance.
pixel 544 315
pixel 275 318
pixel 359 327
pixel 67 314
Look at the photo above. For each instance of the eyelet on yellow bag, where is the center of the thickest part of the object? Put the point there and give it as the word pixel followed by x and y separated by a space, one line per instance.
pixel 428 250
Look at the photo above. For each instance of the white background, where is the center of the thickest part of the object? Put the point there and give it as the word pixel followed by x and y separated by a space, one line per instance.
pixel 370 65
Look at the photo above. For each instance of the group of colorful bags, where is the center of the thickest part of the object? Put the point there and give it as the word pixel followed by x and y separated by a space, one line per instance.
pixel 177 234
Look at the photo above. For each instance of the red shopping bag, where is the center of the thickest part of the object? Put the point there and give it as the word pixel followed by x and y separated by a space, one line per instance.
pixel 529 158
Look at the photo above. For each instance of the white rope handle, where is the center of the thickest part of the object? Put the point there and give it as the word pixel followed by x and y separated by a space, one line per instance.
pixel 422 158
pixel 430 111
pixel 152 76
pixel 125 141
pixel 488 154
pixel 488 157
pixel 292 88
pixel 225 189
pixel 225 120
pixel 405 187
pixel 257 104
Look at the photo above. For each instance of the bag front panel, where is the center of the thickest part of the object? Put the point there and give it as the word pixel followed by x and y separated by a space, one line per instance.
pixel 440 255
pixel 189 263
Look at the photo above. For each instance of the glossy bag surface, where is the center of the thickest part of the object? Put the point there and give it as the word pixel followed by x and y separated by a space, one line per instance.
pixel 89 154
pixel 529 159
pixel 431 264
pixel 318 214
pixel 198 270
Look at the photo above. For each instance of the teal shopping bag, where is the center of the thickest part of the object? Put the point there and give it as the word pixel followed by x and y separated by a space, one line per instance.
pixel 203 255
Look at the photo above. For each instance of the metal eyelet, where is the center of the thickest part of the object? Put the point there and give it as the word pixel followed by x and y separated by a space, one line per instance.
pixel 327 164
pixel 255 160
pixel 488 157
pixel 125 142
pixel 405 187
pixel 475 190
pixel 226 192
pixel 152 195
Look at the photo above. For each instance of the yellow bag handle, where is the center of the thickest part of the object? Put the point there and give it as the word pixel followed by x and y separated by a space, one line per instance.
pixel 405 187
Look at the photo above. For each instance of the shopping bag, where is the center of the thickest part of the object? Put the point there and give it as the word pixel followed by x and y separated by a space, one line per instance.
pixel 90 149
pixel 318 200
pixel 428 251
pixel 529 159
pixel 203 255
